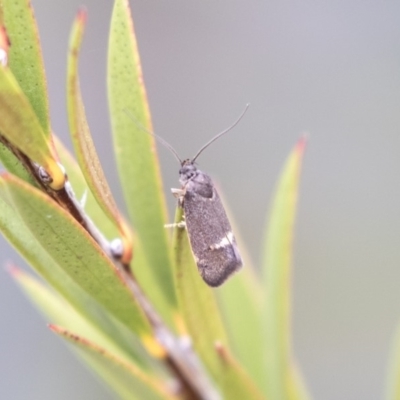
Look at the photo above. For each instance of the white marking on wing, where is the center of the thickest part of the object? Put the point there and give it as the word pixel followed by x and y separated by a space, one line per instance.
pixel 227 240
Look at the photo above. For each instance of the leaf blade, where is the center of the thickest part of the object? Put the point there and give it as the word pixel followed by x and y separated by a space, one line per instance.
pixel 21 127
pixel 276 268
pixel 196 300
pixel 235 381
pixel 25 57
pixel 80 188
pixel 125 378
pixel 17 234
pixel 245 329
pixel 82 139
pixel 76 252
pixel 59 311
pixel 392 391
pixel 136 158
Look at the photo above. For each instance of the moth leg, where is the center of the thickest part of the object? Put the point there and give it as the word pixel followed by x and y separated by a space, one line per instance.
pixel 178 193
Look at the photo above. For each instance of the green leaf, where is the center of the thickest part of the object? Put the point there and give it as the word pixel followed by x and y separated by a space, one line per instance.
pixel 137 161
pixel 76 252
pixel 14 165
pixel 296 385
pixel 82 139
pixel 235 381
pixel 60 312
pixel 21 127
pixel 91 207
pixel 277 265
pixel 25 57
pixel 125 378
pixel 197 302
pixel 80 187
pixel 393 376
pixel 16 232
pixel 245 329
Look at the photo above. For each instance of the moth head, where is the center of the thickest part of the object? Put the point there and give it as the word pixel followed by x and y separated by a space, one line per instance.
pixel 187 171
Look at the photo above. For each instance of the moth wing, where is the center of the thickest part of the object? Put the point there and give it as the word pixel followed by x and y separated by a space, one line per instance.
pixel 210 234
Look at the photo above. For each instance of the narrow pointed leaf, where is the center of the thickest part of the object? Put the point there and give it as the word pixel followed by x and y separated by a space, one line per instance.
pixel 82 139
pixel 16 232
pixel 125 378
pixel 76 252
pixel 297 388
pixel 393 376
pixel 277 265
pixel 25 57
pixel 136 158
pixel 235 381
pixel 245 329
pixel 197 302
pixel 82 191
pixel 20 126
pixel 58 311
pixel 91 206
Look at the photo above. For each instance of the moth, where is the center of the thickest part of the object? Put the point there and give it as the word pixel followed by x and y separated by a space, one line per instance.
pixel 210 234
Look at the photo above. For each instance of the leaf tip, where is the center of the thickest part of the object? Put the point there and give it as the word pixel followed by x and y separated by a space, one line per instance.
pixel 302 143
pixel 13 270
pixel 53 327
pixel 81 15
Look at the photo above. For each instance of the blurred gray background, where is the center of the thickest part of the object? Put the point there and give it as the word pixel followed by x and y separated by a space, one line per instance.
pixel 329 68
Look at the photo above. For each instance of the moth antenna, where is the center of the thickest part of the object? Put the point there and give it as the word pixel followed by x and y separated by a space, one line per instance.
pixel 221 133
pixel 159 138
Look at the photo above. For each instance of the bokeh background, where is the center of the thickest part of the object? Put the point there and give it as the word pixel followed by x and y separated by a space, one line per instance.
pixel 329 68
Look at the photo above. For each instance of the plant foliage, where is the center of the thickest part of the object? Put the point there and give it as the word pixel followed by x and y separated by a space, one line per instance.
pixel 134 309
